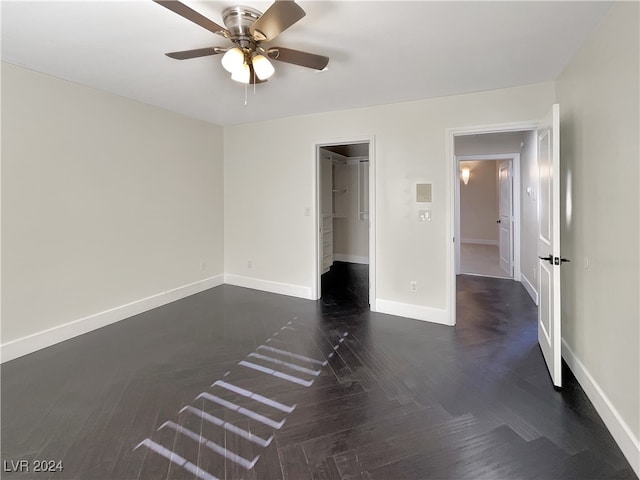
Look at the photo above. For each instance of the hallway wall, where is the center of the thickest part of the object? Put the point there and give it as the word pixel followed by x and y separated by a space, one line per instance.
pixel 599 105
pixel 528 191
pixel 479 203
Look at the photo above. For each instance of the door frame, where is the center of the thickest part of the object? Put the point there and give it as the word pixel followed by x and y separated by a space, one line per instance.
pixel 451 179
pixel 515 196
pixel 317 254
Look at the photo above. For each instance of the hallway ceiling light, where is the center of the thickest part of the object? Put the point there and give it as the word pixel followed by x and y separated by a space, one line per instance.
pixel 466 174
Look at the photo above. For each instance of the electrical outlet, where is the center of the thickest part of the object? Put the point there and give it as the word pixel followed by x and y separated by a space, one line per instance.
pixel 249 264
pixel 203 266
pixel 307 212
pixel 413 286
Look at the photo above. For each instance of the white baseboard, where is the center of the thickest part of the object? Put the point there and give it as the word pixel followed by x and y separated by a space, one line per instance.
pixel 46 338
pixel 622 434
pixel 528 286
pixel 339 257
pixel 479 241
pixel 269 286
pixel 417 312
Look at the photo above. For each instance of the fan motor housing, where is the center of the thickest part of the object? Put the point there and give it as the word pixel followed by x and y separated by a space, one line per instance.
pixel 238 20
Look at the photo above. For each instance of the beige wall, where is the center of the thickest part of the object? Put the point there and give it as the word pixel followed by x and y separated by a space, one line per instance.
pixel 599 102
pixel 528 191
pixel 105 201
pixel 274 185
pixel 479 203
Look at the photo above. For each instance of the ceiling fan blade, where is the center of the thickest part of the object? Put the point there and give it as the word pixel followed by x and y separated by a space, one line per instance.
pixel 278 17
pixel 190 14
pixel 296 57
pixel 199 52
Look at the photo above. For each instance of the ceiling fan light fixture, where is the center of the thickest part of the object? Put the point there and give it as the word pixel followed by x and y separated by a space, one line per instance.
pixel 233 60
pixel 242 74
pixel 262 66
pixel 246 28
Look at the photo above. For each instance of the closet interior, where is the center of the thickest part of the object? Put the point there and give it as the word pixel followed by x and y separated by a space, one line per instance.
pixel 344 204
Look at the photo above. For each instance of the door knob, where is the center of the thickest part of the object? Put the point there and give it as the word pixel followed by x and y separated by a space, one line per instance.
pixel 554 260
pixel 548 258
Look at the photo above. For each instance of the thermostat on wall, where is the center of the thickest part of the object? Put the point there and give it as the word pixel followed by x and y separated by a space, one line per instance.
pixel 423 192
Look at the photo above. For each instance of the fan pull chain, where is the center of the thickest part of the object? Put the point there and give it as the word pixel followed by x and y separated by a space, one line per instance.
pixel 246 88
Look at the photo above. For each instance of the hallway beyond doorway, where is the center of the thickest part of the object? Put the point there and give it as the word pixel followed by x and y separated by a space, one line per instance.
pixel 476 259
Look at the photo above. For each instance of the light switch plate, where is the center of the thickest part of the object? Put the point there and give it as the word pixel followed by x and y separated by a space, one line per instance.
pixel 423 192
pixel 424 216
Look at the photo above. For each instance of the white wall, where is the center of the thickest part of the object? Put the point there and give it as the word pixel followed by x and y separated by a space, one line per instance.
pixel 599 104
pixel 270 182
pixel 105 201
pixel 479 203
pixel 350 234
pixel 528 191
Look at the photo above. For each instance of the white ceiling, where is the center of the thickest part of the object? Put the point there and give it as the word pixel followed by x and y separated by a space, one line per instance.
pixel 381 52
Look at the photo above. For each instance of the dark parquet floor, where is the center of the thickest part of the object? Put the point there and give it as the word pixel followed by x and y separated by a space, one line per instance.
pixel 235 383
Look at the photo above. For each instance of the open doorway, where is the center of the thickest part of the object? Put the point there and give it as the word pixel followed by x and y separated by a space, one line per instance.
pixel 491 206
pixel 488 215
pixel 538 191
pixel 344 241
pixel 517 142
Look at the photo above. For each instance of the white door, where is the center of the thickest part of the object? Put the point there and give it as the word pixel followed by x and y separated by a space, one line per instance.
pixel 505 212
pixel 549 331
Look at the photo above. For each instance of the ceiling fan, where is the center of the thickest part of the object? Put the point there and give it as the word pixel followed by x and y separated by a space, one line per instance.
pixel 247 28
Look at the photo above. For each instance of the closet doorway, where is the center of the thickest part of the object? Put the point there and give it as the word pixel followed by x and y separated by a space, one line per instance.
pixel 344 218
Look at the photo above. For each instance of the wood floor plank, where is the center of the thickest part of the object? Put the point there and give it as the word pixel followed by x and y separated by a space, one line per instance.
pixel 294 463
pixel 376 431
pixel 408 444
pixel 442 462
